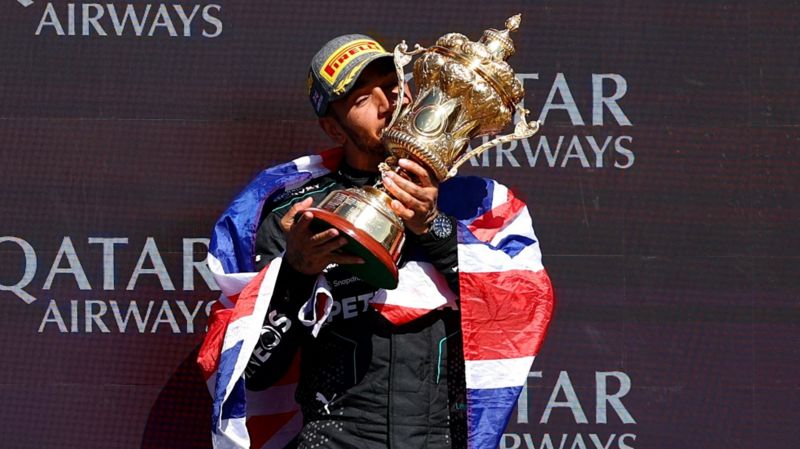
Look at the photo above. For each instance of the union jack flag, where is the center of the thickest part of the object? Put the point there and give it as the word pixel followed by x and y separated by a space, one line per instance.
pixel 506 301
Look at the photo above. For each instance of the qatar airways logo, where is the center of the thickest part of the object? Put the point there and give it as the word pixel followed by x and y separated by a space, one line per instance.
pixel 601 140
pixel 610 424
pixel 91 284
pixel 178 20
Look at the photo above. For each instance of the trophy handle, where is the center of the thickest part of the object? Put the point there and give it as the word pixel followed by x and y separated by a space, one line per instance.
pixel 522 130
pixel 401 58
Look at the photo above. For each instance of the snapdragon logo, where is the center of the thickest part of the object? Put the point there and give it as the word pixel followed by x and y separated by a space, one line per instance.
pixel 127 19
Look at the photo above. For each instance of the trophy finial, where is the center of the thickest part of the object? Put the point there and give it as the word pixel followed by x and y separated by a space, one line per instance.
pixel 499 42
pixel 512 23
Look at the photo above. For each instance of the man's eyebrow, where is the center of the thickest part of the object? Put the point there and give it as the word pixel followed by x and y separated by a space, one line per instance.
pixel 380 78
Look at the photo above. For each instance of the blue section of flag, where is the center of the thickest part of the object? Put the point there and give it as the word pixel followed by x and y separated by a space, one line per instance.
pixel 236 405
pixel 233 239
pixel 488 412
pixel 468 197
pixel 227 362
pixel 511 245
pixel 514 244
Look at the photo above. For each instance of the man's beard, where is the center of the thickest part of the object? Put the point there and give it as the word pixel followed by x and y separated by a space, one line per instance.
pixel 363 140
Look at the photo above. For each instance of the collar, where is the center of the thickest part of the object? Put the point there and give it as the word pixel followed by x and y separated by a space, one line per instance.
pixel 354 176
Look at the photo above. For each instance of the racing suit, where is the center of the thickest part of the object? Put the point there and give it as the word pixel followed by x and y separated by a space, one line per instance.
pixel 364 382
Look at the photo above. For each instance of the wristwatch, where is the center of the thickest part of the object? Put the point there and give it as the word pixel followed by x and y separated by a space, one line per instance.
pixel 441 227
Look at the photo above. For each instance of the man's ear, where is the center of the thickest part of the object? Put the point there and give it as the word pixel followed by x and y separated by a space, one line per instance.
pixel 333 129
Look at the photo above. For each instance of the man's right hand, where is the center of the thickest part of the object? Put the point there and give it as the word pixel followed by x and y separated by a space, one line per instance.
pixel 307 252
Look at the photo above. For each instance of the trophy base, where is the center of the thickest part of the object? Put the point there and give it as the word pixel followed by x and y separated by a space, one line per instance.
pixel 378 269
pixel 373 231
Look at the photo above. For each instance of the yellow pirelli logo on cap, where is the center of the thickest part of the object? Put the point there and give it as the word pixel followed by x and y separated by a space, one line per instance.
pixel 346 54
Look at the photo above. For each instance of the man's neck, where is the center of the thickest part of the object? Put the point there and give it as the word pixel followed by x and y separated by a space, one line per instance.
pixel 362 160
pixel 354 177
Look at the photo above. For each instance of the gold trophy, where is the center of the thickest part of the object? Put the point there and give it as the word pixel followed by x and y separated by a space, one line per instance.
pixel 465 90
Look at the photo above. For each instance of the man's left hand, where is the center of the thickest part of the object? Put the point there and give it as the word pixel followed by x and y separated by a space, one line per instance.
pixel 414 203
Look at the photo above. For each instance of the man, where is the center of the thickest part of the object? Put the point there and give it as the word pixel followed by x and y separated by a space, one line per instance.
pixel 364 382
pixel 366 379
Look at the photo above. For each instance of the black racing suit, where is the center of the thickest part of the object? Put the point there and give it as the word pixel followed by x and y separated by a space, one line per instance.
pixel 364 383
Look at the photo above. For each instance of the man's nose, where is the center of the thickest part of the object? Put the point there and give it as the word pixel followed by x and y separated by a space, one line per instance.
pixel 386 100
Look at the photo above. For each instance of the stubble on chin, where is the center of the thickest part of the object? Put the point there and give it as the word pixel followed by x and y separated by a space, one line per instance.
pixel 365 142
pixel 376 147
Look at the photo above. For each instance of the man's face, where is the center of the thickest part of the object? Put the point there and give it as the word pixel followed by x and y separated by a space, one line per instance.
pixel 369 106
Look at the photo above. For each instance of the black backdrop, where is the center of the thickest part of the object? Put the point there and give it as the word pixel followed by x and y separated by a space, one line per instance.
pixel 669 228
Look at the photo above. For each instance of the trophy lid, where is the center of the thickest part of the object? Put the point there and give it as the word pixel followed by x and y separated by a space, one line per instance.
pixel 499 43
pixel 466 90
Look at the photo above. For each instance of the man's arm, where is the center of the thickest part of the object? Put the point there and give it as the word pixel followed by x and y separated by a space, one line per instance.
pixel 415 203
pixel 305 256
pixel 442 253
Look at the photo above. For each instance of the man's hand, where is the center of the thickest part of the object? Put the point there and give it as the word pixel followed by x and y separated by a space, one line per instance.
pixel 307 252
pixel 414 203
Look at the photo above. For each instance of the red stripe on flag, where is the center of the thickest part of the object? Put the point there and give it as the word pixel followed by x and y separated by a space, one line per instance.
pixel 262 428
pixel 331 158
pixel 504 314
pixel 233 298
pixel 247 298
pixel 399 314
pixel 210 350
pixel 490 223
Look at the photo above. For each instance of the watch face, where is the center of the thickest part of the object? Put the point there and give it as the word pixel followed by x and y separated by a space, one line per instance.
pixel 441 227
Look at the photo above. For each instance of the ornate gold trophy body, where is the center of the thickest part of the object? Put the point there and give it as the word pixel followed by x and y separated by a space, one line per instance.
pixel 465 90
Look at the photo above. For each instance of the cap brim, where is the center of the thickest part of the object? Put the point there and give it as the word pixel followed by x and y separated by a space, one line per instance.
pixel 355 72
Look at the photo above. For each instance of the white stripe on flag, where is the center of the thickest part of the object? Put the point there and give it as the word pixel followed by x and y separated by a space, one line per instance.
pixel 420 286
pixel 480 258
pixel 305 163
pixel 247 328
pixel 230 283
pixel 499 194
pixel 232 434
pixel 252 332
pixel 237 331
pixel 519 225
pixel 497 373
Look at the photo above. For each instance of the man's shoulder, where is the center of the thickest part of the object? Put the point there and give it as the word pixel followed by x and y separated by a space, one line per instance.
pixel 271 185
pixel 315 188
pixel 268 232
